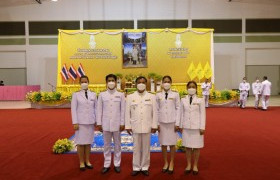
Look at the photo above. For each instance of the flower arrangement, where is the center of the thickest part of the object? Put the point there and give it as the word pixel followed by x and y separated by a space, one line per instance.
pixel 179 145
pixel 62 146
pixel 49 97
pixel 224 95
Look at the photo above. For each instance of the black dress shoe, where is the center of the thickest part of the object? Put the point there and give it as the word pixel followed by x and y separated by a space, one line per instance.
pixel 82 168
pixel 117 169
pixel 170 171
pixel 88 166
pixel 188 171
pixel 145 172
pixel 195 172
pixel 164 170
pixel 105 170
pixel 134 173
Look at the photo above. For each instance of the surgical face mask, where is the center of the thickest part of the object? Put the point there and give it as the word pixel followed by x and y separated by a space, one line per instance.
pixel 111 85
pixel 166 86
pixel 191 91
pixel 141 87
pixel 84 86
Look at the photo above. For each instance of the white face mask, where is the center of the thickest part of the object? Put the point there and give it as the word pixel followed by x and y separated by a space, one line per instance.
pixel 84 86
pixel 111 85
pixel 166 86
pixel 191 91
pixel 141 87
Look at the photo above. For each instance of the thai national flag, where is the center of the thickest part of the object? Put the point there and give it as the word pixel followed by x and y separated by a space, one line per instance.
pixel 64 73
pixel 81 71
pixel 72 72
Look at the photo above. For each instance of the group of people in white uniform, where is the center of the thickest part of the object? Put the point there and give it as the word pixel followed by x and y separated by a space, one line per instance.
pixel 140 114
pixel 261 90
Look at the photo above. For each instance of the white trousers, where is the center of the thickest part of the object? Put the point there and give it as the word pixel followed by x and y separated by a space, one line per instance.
pixel 141 151
pixel 243 98
pixel 107 148
pixel 206 98
pixel 257 100
pixel 265 100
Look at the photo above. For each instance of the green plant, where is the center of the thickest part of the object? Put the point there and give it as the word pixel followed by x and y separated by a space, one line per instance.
pixel 119 75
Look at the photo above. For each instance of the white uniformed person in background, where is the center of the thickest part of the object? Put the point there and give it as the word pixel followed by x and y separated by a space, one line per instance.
pixel 244 88
pixel 257 91
pixel 110 121
pixel 168 107
pixel 266 91
pixel 83 110
pixel 140 121
pixel 192 123
pixel 206 86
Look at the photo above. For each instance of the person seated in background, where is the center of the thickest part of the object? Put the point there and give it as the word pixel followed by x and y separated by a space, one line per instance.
pixel 244 88
pixel 1 83
pixel 257 88
pixel 266 91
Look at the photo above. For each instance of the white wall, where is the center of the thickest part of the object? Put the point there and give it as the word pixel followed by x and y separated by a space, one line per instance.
pixel 230 58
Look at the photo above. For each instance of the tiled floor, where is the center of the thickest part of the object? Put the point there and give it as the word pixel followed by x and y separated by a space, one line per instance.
pixel 274 101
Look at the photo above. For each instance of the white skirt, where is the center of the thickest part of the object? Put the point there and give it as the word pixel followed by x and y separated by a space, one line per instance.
pixel 167 135
pixel 85 134
pixel 192 138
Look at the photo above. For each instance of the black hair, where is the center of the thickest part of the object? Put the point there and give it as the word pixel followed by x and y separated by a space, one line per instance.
pixel 167 77
pixel 111 76
pixel 140 77
pixel 190 82
pixel 265 77
pixel 84 76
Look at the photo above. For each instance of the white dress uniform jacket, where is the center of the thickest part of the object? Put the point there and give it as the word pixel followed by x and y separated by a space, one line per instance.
pixel 206 88
pixel 193 116
pixel 168 109
pixel 257 88
pixel 141 112
pixel 83 110
pixel 266 88
pixel 111 110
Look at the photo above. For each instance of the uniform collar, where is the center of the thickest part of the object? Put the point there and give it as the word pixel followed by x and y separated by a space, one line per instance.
pixel 169 91
pixel 141 94
pixel 111 91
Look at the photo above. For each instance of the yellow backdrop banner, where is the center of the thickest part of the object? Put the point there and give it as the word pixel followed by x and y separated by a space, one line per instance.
pixel 163 51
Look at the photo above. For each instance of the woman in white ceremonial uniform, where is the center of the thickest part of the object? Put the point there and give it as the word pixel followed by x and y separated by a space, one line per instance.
pixel 168 108
pixel 192 122
pixel 83 110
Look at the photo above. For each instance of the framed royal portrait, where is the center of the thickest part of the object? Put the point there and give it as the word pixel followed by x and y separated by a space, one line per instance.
pixel 135 50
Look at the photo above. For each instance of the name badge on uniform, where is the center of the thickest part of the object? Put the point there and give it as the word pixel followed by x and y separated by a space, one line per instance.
pixel 117 96
pixel 171 98
pixel 147 99
pixel 91 99
pixel 195 103
pixel 133 100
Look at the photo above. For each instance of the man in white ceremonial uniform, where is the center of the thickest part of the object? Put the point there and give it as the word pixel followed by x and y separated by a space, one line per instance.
pixel 257 91
pixel 168 107
pixel 266 91
pixel 110 120
pixel 244 88
pixel 141 120
pixel 206 86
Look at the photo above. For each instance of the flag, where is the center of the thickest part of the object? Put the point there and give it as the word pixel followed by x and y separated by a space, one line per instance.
pixel 72 72
pixel 81 71
pixel 191 71
pixel 207 71
pixel 199 71
pixel 64 73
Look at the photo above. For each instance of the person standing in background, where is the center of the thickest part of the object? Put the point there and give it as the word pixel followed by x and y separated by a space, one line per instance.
pixel 244 88
pixel 206 86
pixel 110 121
pixel 257 88
pixel 168 107
pixel 83 111
pixel 266 91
